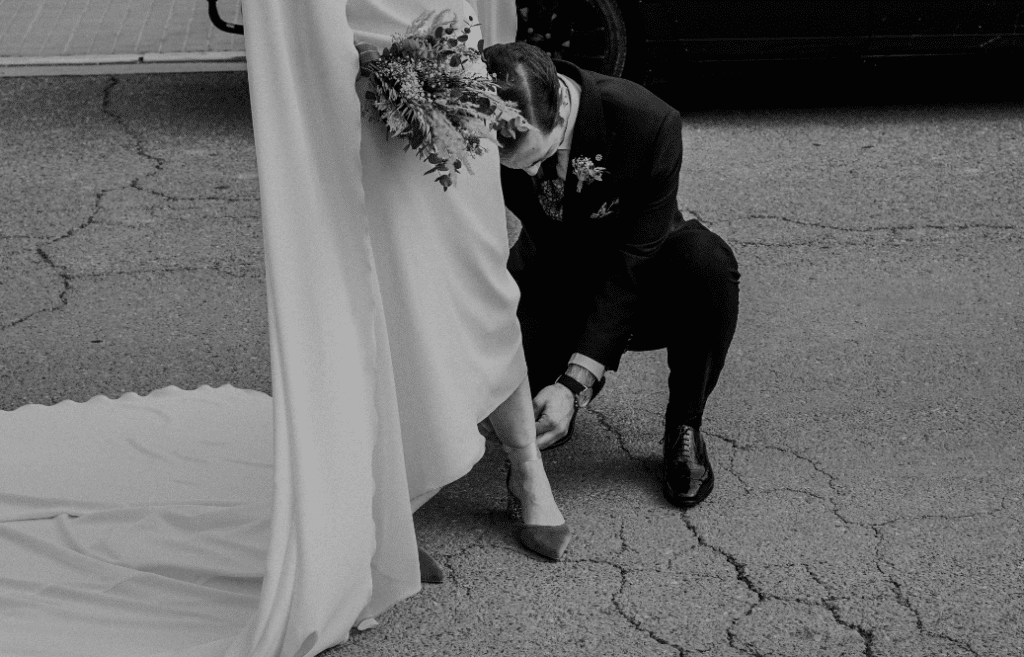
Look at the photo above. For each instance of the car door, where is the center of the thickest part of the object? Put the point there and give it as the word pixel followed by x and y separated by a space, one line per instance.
pixel 755 29
pixel 925 27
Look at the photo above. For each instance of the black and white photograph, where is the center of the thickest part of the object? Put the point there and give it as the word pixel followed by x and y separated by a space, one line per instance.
pixel 522 328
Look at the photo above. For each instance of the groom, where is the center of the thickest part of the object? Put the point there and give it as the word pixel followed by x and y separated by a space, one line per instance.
pixel 605 261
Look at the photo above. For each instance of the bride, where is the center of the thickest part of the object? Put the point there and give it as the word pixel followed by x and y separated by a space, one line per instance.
pixel 223 522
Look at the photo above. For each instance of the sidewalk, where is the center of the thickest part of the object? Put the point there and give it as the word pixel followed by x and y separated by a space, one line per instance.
pixel 40 37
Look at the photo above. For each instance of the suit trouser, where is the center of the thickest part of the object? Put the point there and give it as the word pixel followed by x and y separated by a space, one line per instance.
pixel 689 304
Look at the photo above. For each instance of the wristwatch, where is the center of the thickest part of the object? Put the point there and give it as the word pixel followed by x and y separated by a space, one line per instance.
pixel 581 394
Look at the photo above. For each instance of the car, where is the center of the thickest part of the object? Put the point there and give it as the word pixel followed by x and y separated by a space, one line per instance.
pixel 652 40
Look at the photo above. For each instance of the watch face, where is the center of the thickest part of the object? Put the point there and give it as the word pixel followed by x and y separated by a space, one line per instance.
pixel 584 397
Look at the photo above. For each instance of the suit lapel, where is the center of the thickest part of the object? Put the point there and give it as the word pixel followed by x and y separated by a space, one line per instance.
pixel 589 141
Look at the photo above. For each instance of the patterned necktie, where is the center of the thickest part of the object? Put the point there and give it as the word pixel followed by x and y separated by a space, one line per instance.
pixel 552 188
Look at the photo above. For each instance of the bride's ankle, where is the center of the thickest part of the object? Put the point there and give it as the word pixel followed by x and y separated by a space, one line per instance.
pixel 529 484
pixel 518 455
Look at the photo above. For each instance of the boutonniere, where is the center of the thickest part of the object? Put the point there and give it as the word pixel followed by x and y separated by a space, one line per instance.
pixel 605 210
pixel 586 171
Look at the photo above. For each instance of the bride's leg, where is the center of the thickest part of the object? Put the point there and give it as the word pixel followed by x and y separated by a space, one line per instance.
pixel 513 422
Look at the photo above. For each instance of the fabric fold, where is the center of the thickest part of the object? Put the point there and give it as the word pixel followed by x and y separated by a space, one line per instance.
pixel 220 522
pixel 340 489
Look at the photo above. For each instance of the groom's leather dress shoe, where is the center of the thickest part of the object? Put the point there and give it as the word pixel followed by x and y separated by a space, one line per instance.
pixel 688 475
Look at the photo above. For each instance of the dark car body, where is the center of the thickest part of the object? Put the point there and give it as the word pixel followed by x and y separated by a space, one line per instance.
pixel 651 39
pixel 717 30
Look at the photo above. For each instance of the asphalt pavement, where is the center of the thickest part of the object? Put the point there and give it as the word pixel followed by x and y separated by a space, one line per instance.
pixel 866 433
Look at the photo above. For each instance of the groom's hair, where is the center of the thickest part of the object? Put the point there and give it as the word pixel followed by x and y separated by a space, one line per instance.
pixel 526 76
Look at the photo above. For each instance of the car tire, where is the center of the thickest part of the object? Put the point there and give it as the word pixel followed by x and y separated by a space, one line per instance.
pixel 589 33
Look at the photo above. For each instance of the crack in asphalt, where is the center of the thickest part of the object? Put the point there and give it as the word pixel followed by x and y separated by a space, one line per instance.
pixel 741 576
pixel 615 597
pixel 165 270
pixel 172 197
pixel 866 635
pixel 827 240
pixel 623 571
pixel 740 568
pixel 140 146
pixel 135 183
pixel 831 603
pixel 737 566
pixel 834 508
pixel 158 162
pixel 606 424
pixel 62 297
pixel 737 242
pixel 882 229
pixel 65 278
pixel 624 543
pixel 617 604
pixel 40 250
pixel 938 516
pixel 903 599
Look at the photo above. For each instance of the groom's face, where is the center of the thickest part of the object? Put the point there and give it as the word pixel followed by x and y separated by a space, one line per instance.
pixel 534 148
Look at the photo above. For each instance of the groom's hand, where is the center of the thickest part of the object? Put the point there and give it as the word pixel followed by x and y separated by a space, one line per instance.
pixel 553 408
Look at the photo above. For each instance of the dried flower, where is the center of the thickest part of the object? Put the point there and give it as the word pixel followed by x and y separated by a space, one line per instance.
pixel 423 90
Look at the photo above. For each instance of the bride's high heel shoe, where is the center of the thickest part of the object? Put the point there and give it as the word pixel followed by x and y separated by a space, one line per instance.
pixel 549 541
pixel 430 571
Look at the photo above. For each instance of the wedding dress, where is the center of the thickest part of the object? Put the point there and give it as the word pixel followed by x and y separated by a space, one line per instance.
pixel 223 522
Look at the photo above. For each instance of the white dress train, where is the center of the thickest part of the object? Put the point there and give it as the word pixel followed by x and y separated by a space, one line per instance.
pixel 223 522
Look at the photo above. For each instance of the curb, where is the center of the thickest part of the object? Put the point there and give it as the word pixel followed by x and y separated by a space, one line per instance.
pixel 127 63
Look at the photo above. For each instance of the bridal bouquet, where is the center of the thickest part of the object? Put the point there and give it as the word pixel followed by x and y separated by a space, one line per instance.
pixel 431 89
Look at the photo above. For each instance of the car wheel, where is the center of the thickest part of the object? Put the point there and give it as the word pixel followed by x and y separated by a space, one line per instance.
pixel 588 33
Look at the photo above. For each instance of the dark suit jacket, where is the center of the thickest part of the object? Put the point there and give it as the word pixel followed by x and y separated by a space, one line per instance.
pixel 589 265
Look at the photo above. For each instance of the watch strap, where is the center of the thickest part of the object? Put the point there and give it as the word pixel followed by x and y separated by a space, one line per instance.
pixel 572 384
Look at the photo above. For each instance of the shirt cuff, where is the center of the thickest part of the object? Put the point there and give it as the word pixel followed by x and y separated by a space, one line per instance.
pixel 589 364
